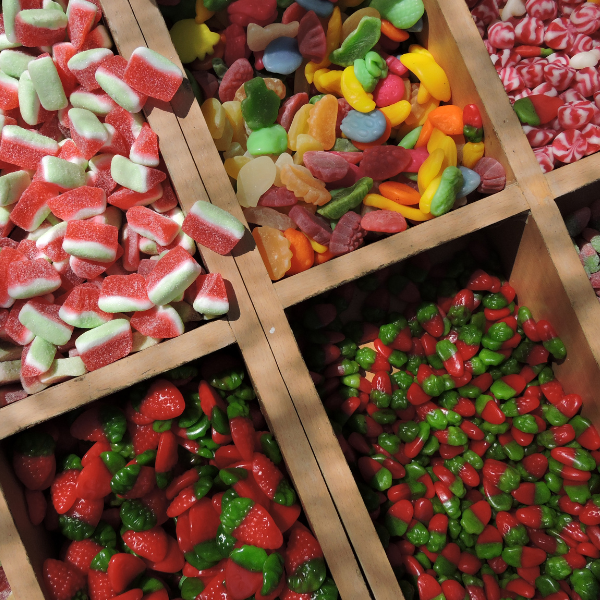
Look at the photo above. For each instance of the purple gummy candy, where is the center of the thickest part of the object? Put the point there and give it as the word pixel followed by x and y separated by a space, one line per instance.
pixel 347 235
pixel 314 226
pixel 326 166
pixel 352 176
pixel 492 173
pixel 277 197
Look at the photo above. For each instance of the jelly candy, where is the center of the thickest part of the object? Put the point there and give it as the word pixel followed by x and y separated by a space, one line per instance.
pixel 261 106
pixel 343 200
pixel 274 249
pixel 254 179
pixel 152 74
pixel 312 42
pixel 298 179
pixel 358 43
pixel 445 196
pixel 282 56
pixel 384 221
pixel 268 217
pixel 364 127
pixel 384 162
pixel 347 235
pixel 105 344
pixel 268 140
pixel 193 40
pixel 326 166
pixel 403 14
pixel 322 119
pixel 314 226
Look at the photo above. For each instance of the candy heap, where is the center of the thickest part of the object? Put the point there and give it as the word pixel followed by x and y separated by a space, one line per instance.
pixel 478 471
pixel 99 262
pixel 327 140
pixel 177 492
pixel 583 226
pixel 546 53
pixel 5 592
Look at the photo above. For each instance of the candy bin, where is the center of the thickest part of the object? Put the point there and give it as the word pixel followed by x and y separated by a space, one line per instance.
pixel 136 501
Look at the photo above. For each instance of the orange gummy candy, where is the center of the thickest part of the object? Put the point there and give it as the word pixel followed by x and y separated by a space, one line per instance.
pixel 274 249
pixel 322 120
pixel 303 254
pixel 299 180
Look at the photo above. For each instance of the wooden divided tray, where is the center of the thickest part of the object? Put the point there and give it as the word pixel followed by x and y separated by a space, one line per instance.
pixel 524 223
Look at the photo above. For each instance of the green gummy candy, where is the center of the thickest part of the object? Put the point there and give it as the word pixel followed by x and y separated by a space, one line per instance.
pixel 526 112
pixel 15 62
pixel 41 354
pixel 346 199
pixel 358 43
pixel 195 87
pixel 29 102
pixel 410 139
pixel 344 145
pixel 376 65
pixel 261 105
pixel 61 172
pixel 268 140
pixel 445 196
pixel 47 83
pixel 216 4
pixel 12 186
pixel 365 78
pixel 400 13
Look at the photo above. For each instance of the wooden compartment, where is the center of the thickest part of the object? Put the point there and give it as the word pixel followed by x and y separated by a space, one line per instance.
pixel 25 547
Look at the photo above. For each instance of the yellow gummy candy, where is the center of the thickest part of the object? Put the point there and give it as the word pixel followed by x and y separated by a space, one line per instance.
pixel 202 13
pixel 225 140
pixel 234 165
pixel 274 249
pixel 418 49
pixel 306 143
pixel 448 146
pixel 322 121
pixel 215 117
pixel 234 150
pixel 318 248
pixel 430 169
pixel 328 82
pixel 427 108
pixel 397 113
pixel 233 111
pixel 436 138
pixel 430 74
pixel 354 93
pixel 299 180
pixel 299 125
pixel 414 214
pixel 193 40
pixel 284 159
pixel 423 96
pixel 427 197
pixel 472 153
pixel 310 69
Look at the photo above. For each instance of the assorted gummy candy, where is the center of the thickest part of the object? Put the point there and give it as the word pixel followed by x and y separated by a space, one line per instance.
pixel 96 257
pixel 546 53
pixel 335 126
pixel 583 226
pixel 477 468
pixel 172 489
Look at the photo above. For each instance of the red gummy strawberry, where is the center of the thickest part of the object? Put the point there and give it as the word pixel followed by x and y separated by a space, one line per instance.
pixel 87 512
pixel 242 434
pixel 94 480
pixel 180 483
pixel 259 529
pixel 99 587
pixel 81 553
pixel 96 450
pixel 144 483
pixel 36 506
pixel 266 474
pixel 143 437
pixel 157 502
pixel 288 594
pixel 161 594
pixel 215 590
pixel 301 547
pixel 63 490
pixel 225 456
pixel 285 516
pixel 152 544
pixel 182 530
pixel 101 423
pixel 134 416
pixel 209 398
pixel 33 460
pixel 166 454
pixel 63 582
pixel 135 594
pixel 163 401
pixel 172 562
pixel 240 582
pixel 204 521
pixel 122 569
pixel 248 488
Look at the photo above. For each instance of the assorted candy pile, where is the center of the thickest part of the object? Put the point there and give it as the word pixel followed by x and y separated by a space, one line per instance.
pixel 5 591
pixel 173 489
pixel 99 262
pixel 546 53
pixel 583 226
pixel 478 471
pixel 335 128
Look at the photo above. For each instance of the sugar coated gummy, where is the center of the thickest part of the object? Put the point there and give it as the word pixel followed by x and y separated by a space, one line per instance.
pixel 334 105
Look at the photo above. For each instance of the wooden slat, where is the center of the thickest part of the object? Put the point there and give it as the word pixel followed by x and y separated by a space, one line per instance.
pixel 136 367
pixel 150 30
pixel 351 266
pixel 571 178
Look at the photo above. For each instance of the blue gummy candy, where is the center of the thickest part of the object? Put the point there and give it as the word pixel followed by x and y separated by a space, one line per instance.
pixel 282 56
pixel 323 8
pixel 364 127
pixel 471 181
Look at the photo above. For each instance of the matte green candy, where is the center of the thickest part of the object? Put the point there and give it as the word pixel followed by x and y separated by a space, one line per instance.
pixel 346 199
pixel 358 43
pixel 261 105
pixel 268 140
pixel 445 196
pixel 400 13
pixel 526 112
pixel 368 81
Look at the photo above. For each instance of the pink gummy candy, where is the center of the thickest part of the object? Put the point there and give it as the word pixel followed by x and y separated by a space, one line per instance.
pixel 78 204
pixel 144 150
pixel 131 252
pixel 125 198
pixel 158 322
pixel 314 226
pixel 8 255
pixel 168 201
pixel 347 235
pixel 82 302
pixel 124 122
pixel 152 225
pixel 113 340
pixel 29 278
pixel 384 162
pixel 276 197
pixel 152 74
pixel 81 18
pixel 93 241
pixel 326 166
pixel 15 330
pixel 384 221
pixel 124 293
pixel 25 148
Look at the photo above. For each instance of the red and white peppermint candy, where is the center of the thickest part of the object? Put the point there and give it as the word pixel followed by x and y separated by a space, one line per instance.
pixel 581 43
pixel 571 96
pixel 542 9
pixel 546 89
pixel 486 12
pixel 501 35
pixel 532 75
pixel 557 35
pixel 521 94
pixel 530 31
pixel 565 8
pixel 491 50
pixel 591 133
pixel 481 27
pixel 575 116
pixel 554 124
pixel 510 79
pixel 508 58
pixel 587 81
pixel 539 136
pixel 586 18
pixel 569 146
pixel 559 58
pixel 545 158
pixel 559 76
